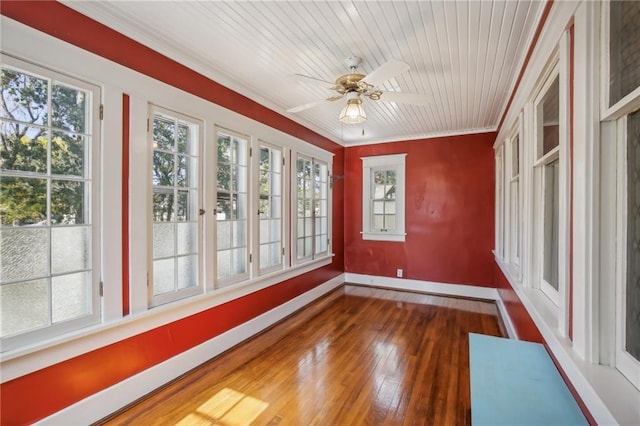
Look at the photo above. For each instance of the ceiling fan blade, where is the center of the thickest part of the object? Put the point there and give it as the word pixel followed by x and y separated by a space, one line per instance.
pixel 312 80
pixel 405 98
pixel 385 71
pixel 303 107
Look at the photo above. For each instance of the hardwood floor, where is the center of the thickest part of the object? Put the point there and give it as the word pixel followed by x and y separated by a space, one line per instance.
pixel 357 356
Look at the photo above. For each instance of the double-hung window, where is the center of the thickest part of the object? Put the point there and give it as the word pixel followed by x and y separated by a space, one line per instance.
pixel 232 207
pixel 175 180
pixel 547 130
pixel 514 194
pixel 383 187
pixel 49 232
pixel 623 107
pixel 312 208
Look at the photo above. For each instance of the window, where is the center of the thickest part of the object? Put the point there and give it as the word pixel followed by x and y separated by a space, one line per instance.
pixel 232 207
pixel 515 200
pixel 312 192
pixel 499 243
pixel 270 209
pixel 547 116
pixel 49 240
pixel 383 187
pixel 175 203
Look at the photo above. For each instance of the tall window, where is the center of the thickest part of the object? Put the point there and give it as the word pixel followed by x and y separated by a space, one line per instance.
pixel 270 207
pixel 500 201
pixel 548 141
pixel 624 98
pixel 383 197
pixel 232 207
pixel 49 241
pixel 312 237
pixel 515 200
pixel 175 205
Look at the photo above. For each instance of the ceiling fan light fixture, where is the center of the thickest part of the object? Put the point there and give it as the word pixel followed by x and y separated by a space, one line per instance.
pixel 353 112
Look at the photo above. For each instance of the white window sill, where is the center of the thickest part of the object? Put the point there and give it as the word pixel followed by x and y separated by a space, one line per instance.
pixel 384 236
pixel 16 363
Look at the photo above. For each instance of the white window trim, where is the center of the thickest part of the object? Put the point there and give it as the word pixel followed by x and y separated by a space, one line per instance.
pixel 95 172
pixel 500 201
pixel 515 229
pixel 396 162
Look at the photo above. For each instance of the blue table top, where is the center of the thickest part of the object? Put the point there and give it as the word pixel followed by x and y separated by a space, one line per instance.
pixel 516 383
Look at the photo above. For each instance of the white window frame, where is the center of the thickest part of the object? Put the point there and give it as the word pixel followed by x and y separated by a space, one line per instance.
pixel 397 163
pixel 93 154
pixel 160 299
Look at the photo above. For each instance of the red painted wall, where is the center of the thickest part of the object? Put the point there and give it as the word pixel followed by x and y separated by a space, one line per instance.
pixel 26 399
pixel 449 212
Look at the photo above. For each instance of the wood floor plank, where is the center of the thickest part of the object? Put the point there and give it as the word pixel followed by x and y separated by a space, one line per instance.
pixel 360 355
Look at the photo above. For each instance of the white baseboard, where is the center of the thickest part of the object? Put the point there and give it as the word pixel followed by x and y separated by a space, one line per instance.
pixel 506 320
pixel 101 404
pixel 461 290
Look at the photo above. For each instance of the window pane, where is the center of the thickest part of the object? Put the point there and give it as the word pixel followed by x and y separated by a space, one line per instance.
pixel 23 148
pixel 24 306
pixel 550 117
pixel 67 154
pixel 23 253
pixel 70 296
pixel 187 238
pixel 69 108
pixel 163 240
pixel 164 133
pixel 24 97
pixel 515 156
pixel 163 171
pixel 187 271
pixel 632 319
pixel 224 235
pixel 239 261
pixel 551 218
pixel 163 206
pixel 70 248
pixel 23 201
pixel 67 202
pixel 163 276
pixel 624 61
pixel 224 264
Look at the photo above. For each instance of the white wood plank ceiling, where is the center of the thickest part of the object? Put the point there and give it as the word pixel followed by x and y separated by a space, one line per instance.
pixel 464 55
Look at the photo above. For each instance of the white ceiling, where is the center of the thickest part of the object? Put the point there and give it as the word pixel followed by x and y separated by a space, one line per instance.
pixel 465 55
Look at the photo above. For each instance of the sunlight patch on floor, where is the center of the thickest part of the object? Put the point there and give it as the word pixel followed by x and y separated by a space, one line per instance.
pixel 228 407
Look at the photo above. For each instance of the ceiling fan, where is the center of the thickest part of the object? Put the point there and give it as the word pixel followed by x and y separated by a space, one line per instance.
pixel 355 86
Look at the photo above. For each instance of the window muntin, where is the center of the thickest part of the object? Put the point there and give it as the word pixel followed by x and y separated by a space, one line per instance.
pixel 175 203
pixel 270 181
pixel 232 206
pixel 383 197
pixel 624 39
pixel 49 241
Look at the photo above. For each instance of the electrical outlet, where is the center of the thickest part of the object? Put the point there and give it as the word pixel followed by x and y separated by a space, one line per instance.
pixel 399 273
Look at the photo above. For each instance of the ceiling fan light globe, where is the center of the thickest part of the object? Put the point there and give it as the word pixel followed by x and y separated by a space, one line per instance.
pixel 353 112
